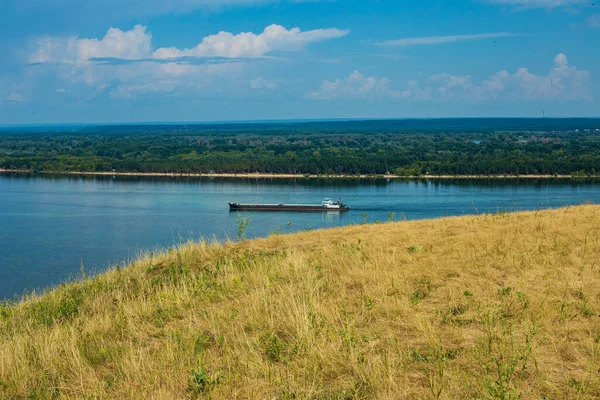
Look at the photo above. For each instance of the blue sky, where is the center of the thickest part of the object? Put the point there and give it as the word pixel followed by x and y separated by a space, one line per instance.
pixel 97 61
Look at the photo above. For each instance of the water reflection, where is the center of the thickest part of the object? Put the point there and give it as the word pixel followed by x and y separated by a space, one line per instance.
pixel 331 216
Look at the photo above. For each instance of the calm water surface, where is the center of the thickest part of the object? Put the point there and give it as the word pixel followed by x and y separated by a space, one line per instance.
pixel 50 226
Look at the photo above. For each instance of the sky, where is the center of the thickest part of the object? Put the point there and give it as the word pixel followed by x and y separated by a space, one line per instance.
pixel 102 61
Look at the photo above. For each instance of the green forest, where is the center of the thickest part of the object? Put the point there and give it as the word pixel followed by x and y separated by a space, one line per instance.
pixel 311 148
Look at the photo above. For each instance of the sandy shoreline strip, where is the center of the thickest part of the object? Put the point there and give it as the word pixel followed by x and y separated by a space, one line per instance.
pixel 258 175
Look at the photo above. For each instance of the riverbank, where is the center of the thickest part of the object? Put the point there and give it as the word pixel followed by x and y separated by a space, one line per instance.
pixel 258 175
pixel 457 307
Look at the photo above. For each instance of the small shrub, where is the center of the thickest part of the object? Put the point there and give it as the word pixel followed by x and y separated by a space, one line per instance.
pixel 586 311
pixel 449 315
pixel 203 381
pixel 459 309
pixel 418 295
pixel 415 356
pixel 364 221
pixel 415 249
pixel 370 303
pixel 564 311
pixel 272 346
pixel 425 287
pixel 243 223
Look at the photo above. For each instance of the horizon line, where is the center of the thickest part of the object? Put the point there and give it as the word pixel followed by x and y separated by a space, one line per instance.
pixel 269 121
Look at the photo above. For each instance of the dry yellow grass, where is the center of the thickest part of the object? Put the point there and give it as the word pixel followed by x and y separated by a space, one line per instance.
pixel 489 306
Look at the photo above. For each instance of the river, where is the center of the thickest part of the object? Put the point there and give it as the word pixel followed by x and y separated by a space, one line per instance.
pixel 51 226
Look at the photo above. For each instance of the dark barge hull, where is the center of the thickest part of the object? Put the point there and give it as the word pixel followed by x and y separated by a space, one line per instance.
pixel 282 207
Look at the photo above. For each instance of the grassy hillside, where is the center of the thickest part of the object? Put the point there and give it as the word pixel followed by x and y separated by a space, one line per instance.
pixel 489 306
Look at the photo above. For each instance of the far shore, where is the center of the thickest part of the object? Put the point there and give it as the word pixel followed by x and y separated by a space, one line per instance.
pixel 259 175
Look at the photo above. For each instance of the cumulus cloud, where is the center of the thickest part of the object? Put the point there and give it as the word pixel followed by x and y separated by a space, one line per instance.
pixel 136 44
pixel 251 45
pixel 562 82
pixel 355 86
pixel 124 63
pixel 547 4
pixel 429 40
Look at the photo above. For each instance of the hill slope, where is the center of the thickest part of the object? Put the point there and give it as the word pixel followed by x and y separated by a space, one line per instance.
pixel 489 306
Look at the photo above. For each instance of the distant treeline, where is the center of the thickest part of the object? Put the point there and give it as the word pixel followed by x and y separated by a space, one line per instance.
pixel 308 148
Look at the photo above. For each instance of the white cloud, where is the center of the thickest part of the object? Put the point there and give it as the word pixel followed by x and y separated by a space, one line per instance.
pixel 547 4
pixel 563 82
pixel 593 21
pixel 134 67
pixel 91 79
pixel 135 44
pixel 251 45
pixel 428 40
pixel 355 86
pixel 262 83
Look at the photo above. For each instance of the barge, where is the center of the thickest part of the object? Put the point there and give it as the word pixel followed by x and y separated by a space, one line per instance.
pixel 326 205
